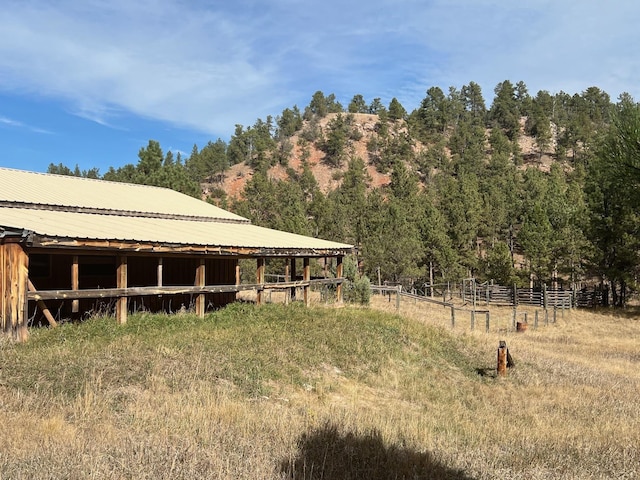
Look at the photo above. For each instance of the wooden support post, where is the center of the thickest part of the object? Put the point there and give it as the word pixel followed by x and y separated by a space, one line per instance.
pixel 287 278
pixel 201 282
pixel 398 290
pixel 453 317
pixel 339 274
pixel 75 283
pixel 43 307
pixel 260 280
pixel 487 322
pixel 121 282
pixel 293 278
pixel 535 321
pixel 502 358
pixel 306 275
pixel 159 274
pixel 14 273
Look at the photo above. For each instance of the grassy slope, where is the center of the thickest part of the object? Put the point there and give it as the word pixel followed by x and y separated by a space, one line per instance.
pixel 277 392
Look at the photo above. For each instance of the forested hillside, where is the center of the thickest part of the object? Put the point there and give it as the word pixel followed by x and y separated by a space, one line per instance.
pixel 540 189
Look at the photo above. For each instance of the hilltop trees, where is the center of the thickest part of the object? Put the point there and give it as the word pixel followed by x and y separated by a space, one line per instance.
pixel 531 189
pixel 154 168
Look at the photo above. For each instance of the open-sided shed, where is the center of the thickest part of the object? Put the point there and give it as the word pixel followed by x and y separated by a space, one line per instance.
pixel 67 243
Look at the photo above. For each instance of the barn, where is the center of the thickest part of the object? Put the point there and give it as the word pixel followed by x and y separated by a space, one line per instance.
pixel 71 245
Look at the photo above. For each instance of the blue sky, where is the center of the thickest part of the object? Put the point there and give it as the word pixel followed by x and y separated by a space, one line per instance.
pixel 89 82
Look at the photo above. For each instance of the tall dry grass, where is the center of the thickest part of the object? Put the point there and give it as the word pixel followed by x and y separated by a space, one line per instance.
pixel 292 393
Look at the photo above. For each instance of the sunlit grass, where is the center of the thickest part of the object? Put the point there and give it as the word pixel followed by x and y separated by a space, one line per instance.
pixel 289 392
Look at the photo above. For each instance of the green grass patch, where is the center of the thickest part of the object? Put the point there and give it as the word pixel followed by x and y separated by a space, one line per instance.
pixel 251 347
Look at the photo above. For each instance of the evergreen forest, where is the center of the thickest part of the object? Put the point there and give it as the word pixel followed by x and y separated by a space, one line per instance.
pixel 528 190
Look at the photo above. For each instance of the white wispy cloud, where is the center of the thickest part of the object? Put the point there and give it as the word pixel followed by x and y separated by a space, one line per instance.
pixel 9 122
pixel 209 65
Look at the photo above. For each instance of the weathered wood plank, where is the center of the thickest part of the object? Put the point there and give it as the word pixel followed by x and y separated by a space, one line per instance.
pixel 306 276
pixel 121 283
pixel 43 307
pixel 200 282
pixel 75 283
pixel 97 293
pixel 14 265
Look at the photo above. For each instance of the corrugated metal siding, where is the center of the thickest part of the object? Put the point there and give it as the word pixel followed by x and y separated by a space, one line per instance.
pixel 47 189
pixel 156 230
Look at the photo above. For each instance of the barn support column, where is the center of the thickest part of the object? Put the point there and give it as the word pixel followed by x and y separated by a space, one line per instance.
pixel 260 280
pixel 200 282
pixel 75 283
pixel 339 273
pixel 14 273
pixel 287 278
pixel 306 275
pixel 293 278
pixel 121 282
pixel 159 272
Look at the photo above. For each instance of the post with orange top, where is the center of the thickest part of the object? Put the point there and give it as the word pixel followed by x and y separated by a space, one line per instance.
pixel 502 358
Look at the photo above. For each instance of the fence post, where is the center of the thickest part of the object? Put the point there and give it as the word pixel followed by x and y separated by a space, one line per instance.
pixel 544 296
pixel 399 288
pixel 536 320
pixel 487 321
pixel 502 358
pixel 453 317
pixel 513 317
pixel 473 319
pixel 555 314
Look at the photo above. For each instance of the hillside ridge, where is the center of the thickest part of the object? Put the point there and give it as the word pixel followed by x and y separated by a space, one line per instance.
pixel 366 124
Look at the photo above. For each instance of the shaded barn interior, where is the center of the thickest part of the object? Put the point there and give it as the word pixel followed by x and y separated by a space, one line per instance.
pixel 54 272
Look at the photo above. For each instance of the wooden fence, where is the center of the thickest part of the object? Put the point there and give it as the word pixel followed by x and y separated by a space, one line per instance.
pixel 487 293
pixel 462 309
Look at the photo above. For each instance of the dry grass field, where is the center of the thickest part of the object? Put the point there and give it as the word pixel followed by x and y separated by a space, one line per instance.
pixel 278 392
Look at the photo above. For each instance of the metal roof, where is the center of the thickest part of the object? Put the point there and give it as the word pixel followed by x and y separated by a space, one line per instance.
pixel 59 190
pixel 54 206
pixel 73 225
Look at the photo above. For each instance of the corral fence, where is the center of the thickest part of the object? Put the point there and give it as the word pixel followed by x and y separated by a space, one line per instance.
pixel 468 301
pixel 469 291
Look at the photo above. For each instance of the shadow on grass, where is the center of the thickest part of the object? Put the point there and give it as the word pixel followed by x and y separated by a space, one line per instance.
pixel 329 454
pixel 487 372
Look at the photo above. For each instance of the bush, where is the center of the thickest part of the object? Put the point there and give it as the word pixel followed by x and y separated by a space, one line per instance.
pixel 358 290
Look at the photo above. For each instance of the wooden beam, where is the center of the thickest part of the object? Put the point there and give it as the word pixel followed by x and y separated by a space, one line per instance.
pixel 149 249
pixel 287 278
pixel 306 276
pixel 121 282
pixel 75 282
pixel 97 293
pixel 293 277
pixel 42 306
pixel 339 273
pixel 14 273
pixel 260 279
pixel 200 282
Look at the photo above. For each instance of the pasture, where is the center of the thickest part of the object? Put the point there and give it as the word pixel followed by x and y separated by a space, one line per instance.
pixel 277 392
